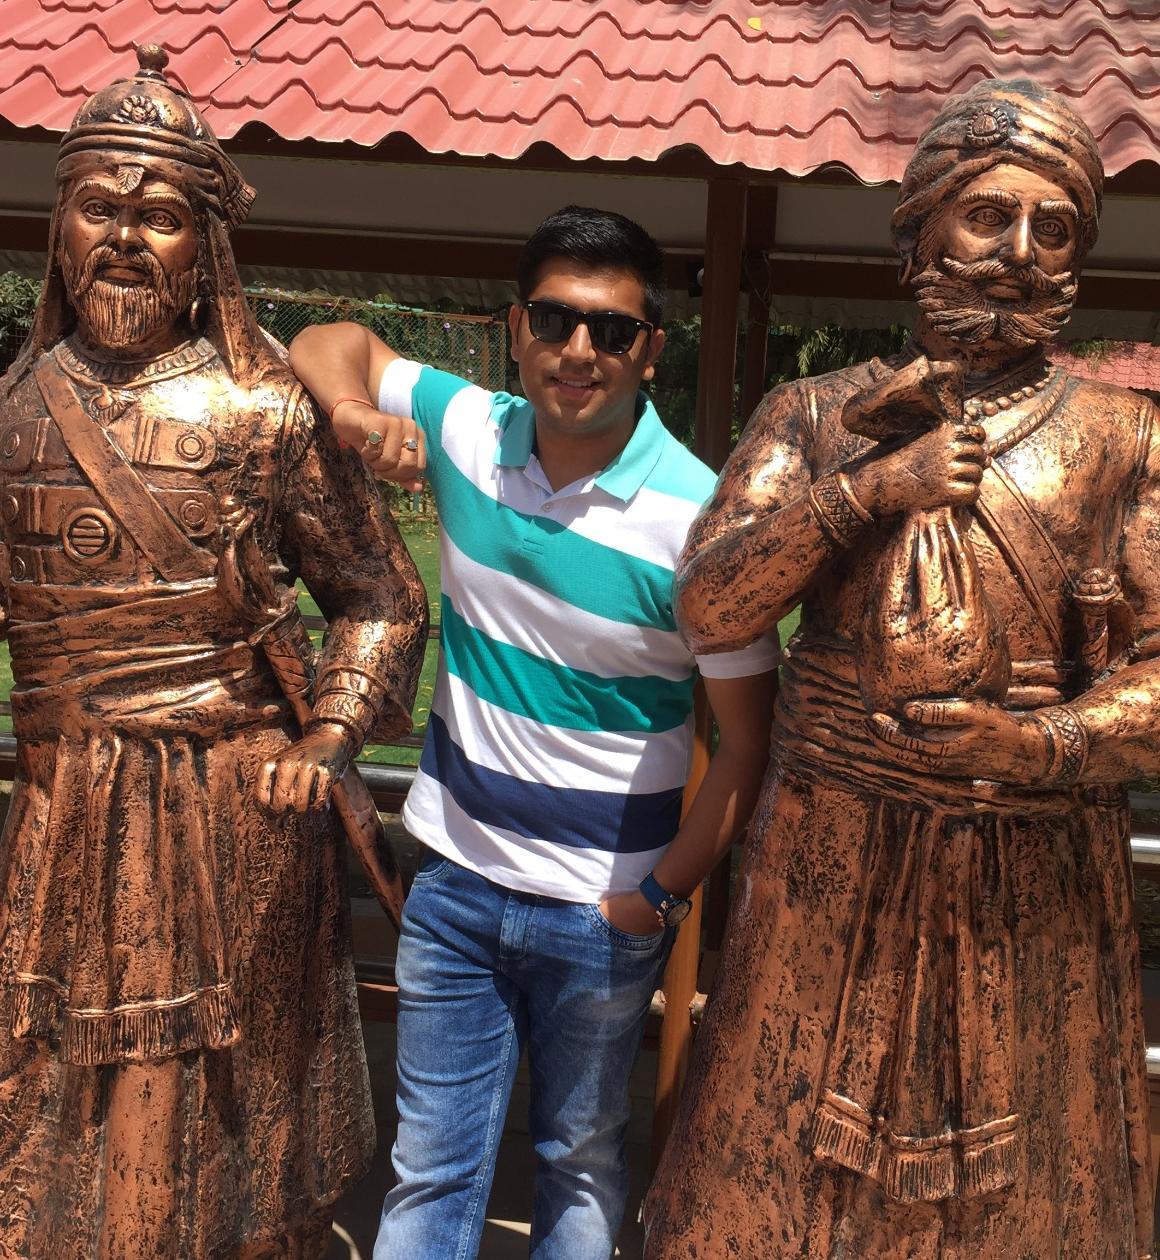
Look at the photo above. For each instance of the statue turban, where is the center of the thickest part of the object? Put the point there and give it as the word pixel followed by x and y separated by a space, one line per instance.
pixel 143 125
pixel 997 122
pixel 146 117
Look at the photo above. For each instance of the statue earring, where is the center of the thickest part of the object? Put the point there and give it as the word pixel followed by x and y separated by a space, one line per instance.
pixel 196 311
pixel 904 270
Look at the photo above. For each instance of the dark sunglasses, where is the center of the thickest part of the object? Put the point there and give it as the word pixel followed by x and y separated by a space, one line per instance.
pixel 610 331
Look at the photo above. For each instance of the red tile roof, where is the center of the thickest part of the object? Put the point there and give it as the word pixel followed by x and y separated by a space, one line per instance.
pixel 773 84
pixel 1133 364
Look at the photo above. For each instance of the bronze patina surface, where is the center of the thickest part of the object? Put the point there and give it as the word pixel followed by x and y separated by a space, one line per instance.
pixel 181 1065
pixel 925 1040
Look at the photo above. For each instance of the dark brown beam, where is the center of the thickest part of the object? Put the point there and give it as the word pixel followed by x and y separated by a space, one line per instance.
pixel 724 237
pixel 491 260
pixel 760 235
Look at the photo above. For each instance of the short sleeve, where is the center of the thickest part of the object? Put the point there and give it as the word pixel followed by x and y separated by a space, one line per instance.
pixel 758 657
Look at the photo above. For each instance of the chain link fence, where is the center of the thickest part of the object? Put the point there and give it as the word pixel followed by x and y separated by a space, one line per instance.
pixel 471 346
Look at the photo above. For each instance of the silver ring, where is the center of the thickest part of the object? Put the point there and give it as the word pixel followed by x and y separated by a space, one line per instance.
pixel 374 438
pixel 410 445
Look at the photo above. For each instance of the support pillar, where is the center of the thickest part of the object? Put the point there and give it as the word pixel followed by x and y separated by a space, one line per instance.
pixel 720 306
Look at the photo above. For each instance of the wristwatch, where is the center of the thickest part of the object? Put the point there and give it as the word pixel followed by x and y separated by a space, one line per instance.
pixel 670 908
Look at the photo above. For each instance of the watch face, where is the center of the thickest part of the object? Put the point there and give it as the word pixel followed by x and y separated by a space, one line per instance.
pixel 675 911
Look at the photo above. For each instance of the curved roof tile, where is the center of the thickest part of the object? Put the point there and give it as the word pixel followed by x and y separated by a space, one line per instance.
pixel 773 84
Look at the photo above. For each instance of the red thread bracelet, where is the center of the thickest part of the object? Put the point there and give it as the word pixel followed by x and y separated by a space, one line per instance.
pixel 334 406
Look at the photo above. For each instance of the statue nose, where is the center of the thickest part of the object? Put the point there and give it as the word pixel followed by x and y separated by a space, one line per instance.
pixel 1019 248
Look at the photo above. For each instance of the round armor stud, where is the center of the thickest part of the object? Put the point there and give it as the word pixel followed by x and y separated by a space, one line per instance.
pixel 191 445
pixel 11 507
pixel 11 445
pixel 88 535
pixel 193 513
pixel 19 568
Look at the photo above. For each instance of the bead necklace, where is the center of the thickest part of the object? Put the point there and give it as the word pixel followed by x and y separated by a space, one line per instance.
pixel 1005 441
pixel 1007 392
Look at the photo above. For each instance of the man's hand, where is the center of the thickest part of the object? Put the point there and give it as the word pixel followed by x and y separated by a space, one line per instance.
pixel 970 739
pixel 391 446
pixel 629 912
pixel 302 777
pixel 942 467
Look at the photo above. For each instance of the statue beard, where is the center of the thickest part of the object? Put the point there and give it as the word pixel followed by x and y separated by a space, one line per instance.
pixel 951 296
pixel 116 316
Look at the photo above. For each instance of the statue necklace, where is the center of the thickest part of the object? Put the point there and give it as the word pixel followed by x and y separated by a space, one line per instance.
pixel 113 380
pixel 1009 391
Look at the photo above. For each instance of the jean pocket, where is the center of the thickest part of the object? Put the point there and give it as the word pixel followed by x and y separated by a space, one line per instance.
pixel 433 866
pixel 629 940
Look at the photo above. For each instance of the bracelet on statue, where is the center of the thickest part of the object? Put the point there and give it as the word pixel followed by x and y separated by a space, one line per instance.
pixel 1067 745
pixel 836 508
pixel 349 697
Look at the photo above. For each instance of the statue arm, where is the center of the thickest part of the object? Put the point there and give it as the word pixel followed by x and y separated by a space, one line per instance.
pixel 758 545
pixel 1119 714
pixel 352 559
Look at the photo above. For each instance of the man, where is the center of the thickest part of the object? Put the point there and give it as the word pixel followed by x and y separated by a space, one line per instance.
pixel 181 1067
pixel 550 785
pixel 925 1040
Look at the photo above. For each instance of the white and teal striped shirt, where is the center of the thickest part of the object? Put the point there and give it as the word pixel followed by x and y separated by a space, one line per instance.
pixel 560 731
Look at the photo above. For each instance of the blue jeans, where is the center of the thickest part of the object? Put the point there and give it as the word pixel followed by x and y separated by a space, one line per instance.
pixel 482 972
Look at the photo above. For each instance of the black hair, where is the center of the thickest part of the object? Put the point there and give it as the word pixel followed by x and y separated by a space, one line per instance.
pixel 597 239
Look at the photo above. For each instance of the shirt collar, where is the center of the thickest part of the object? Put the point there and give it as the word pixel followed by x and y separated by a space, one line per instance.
pixel 622 478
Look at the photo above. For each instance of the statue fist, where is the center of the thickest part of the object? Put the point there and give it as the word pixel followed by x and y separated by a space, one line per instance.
pixel 942 467
pixel 302 777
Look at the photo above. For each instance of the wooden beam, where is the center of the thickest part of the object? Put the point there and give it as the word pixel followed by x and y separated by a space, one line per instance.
pixel 720 305
pixel 680 982
pixel 760 233
pixel 496 260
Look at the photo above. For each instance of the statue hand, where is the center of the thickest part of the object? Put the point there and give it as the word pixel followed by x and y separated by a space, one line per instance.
pixel 971 739
pixel 942 467
pixel 302 777
pixel 392 447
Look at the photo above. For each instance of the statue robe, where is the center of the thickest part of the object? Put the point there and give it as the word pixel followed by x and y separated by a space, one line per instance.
pixel 925 1038
pixel 181 1065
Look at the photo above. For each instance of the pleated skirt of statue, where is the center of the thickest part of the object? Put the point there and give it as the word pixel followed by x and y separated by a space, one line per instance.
pixel 226 1134
pixel 742 1176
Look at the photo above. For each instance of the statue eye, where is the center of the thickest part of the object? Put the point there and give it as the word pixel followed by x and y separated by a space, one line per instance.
pixel 161 221
pixel 96 209
pixel 1053 231
pixel 988 217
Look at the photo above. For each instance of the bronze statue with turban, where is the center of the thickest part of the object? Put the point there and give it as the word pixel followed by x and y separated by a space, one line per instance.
pixel 181 1065
pixel 925 1037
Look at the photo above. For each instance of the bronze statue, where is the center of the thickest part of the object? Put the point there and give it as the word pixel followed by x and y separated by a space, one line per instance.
pixel 925 1041
pixel 181 1066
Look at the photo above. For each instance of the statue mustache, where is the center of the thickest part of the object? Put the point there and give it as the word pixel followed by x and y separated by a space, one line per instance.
pixel 105 255
pixel 1038 280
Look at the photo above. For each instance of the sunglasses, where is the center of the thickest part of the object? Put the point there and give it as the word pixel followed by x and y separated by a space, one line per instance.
pixel 610 331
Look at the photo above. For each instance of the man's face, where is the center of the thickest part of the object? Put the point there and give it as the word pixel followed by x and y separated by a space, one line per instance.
pixel 997 263
pixel 129 250
pixel 575 387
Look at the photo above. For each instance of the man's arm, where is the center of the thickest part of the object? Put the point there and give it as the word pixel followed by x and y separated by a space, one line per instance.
pixel 743 708
pixel 342 365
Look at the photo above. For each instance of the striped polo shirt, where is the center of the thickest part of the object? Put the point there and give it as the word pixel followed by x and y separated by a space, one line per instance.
pixel 561 728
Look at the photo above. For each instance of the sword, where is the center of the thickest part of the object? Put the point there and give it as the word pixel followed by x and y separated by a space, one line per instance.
pixel 247 586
